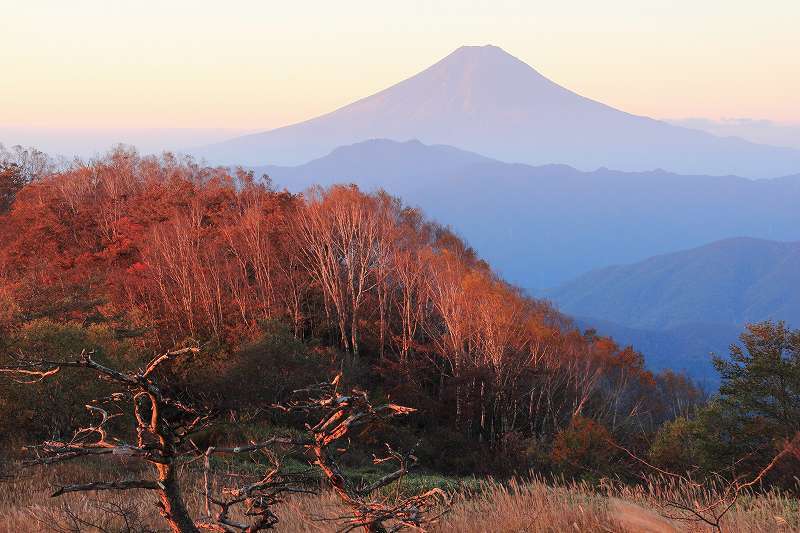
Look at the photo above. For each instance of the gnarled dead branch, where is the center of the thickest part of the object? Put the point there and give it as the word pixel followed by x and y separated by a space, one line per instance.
pixel 338 414
pixel 164 425
pixel 257 497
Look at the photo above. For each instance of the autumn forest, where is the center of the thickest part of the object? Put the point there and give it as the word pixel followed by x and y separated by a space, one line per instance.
pixel 111 261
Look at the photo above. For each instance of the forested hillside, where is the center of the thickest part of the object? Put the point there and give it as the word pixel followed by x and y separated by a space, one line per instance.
pixel 262 293
pixel 146 253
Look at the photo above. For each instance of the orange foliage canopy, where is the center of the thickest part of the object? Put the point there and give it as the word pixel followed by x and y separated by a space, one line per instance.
pixel 172 249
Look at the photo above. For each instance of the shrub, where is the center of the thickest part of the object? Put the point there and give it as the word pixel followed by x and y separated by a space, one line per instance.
pixel 54 410
pixel 674 447
pixel 582 449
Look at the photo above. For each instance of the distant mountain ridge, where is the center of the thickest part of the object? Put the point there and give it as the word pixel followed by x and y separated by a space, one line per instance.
pixel 678 308
pixel 485 100
pixel 687 348
pixel 376 163
pixel 733 281
pixel 543 226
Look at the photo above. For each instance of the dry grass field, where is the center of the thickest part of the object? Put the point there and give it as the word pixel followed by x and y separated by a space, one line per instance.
pixel 534 506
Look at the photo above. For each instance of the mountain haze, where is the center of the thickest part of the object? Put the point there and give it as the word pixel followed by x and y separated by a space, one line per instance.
pixel 734 281
pixel 377 163
pixel 543 226
pixel 687 348
pixel 485 100
pixel 679 308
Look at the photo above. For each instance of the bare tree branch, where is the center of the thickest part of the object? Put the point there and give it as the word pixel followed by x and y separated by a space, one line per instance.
pixel 710 512
pixel 113 485
pixel 338 415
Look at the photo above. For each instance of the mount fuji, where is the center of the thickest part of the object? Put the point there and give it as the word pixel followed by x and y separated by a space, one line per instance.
pixel 482 99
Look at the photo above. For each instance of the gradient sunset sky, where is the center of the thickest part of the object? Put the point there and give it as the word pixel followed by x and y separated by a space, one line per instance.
pixel 261 64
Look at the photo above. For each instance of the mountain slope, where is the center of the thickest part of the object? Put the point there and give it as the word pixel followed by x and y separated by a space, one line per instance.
pixel 542 226
pixel 376 163
pixel 678 308
pixel 734 281
pixel 687 348
pixel 485 100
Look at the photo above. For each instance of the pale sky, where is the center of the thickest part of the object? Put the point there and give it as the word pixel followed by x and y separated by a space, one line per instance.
pixel 262 64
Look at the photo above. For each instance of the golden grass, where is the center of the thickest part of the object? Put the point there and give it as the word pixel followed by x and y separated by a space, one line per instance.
pixel 534 506
pixel 752 512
